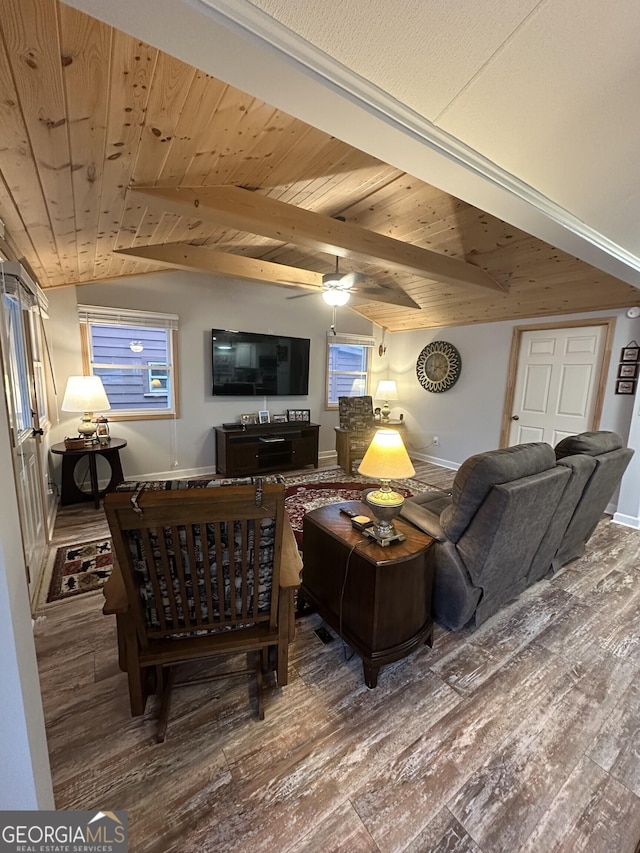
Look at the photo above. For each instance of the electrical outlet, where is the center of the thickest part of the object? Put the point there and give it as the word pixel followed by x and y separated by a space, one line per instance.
pixel 436 441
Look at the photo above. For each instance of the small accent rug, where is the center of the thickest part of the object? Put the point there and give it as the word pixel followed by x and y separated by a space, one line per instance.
pixel 78 568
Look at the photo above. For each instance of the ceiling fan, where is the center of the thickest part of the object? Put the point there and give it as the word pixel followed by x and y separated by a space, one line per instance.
pixel 337 288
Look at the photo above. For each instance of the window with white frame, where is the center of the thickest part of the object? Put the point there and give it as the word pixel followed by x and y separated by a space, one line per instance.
pixel 36 325
pixel 134 353
pixel 348 367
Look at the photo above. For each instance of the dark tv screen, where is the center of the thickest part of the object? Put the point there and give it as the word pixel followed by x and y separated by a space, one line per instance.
pixel 248 364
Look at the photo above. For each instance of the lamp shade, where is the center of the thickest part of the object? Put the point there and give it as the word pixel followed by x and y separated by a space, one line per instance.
pixel 386 390
pixel 85 394
pixel 386 457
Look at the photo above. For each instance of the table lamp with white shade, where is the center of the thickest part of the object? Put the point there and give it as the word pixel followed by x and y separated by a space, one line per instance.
pixel 386 390
pixel 85 394
pixel 386 459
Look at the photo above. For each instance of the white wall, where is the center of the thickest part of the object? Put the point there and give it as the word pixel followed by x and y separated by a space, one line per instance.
pixel 467 418
pixel 185 446
pixel 25 778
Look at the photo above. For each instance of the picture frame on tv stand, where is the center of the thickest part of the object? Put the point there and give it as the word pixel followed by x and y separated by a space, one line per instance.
pixel 299 415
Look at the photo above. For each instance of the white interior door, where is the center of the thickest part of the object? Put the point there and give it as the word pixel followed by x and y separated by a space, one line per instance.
pixel 24 421
pixel 556 385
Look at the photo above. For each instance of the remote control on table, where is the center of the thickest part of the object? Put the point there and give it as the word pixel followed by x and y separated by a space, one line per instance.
pixel 348 512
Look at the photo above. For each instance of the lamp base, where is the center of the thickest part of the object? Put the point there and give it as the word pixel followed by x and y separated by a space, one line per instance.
pixel 385 505
pixel 384 537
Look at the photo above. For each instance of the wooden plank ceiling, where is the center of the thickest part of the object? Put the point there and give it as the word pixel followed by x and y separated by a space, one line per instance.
pixel 90 115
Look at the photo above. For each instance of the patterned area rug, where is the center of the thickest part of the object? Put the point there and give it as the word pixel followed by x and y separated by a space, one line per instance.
pixel 305 492
pixel 78 568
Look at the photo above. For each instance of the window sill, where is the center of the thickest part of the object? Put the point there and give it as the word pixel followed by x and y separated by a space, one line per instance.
pixel 141 416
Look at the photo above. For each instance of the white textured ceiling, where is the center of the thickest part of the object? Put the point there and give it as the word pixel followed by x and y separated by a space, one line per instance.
pixel 549 91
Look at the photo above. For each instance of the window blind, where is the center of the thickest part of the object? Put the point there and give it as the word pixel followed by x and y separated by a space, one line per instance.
pixel 126 317
pixel 15 281
pixel 353 340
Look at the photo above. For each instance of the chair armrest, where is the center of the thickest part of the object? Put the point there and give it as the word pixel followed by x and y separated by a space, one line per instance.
pixel 423 519
pixel 291 562
pixel 115 593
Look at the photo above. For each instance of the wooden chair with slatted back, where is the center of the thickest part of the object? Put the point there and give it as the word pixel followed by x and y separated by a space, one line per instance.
pixel 199 573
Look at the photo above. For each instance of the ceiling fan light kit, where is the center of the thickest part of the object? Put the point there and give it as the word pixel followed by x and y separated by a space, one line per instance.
pixel 336 296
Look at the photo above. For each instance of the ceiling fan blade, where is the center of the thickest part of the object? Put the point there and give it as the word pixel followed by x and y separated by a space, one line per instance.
pixel 350 279
pixel 388 295
pixel 308 293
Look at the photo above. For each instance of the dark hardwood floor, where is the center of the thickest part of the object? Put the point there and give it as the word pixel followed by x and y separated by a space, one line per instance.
pixel 523 735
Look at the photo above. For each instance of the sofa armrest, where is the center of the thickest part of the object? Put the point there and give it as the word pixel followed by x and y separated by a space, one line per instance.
pixel 424 519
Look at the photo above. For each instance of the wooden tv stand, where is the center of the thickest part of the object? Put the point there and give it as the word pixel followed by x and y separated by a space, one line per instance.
pixel 246 450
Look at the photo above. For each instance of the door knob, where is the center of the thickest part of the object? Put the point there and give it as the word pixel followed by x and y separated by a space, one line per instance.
pixel 515 417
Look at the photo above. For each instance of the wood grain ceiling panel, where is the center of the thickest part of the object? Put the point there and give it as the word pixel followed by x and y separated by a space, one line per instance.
pixel 88 112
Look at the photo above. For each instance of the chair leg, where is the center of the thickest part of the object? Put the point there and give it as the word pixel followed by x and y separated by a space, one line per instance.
pixel 260 662
pixel 140 678
pixel 163 719
pixel 122 642
pixel 283 663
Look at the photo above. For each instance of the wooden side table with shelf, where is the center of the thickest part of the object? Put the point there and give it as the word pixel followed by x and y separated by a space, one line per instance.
pixel 401 426
pixel 382 608
pixel 70 492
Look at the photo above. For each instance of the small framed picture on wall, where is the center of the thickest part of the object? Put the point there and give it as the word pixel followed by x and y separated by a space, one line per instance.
pixel 625 386
pixel 630 353
pixel 628 371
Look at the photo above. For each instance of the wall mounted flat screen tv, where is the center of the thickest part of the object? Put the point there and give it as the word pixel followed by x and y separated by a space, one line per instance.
pixel 248 364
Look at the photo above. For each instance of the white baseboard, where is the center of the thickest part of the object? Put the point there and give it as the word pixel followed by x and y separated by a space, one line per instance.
pixel 192 473
pixel 626 520
pixel 175 474
pixel 443 463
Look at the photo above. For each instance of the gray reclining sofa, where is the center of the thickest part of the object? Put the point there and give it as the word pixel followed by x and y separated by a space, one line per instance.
pixel 513 516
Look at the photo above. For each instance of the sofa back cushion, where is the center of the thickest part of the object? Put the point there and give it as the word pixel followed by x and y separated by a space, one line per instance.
pixel 590 443
pixel 480 473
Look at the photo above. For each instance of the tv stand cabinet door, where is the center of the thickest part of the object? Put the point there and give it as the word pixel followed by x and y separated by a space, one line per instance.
pixel 305 448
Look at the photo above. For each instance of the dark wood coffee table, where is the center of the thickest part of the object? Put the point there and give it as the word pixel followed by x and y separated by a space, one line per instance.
pixel 382 609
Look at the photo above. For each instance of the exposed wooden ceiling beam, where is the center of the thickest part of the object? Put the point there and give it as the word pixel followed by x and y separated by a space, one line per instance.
pixel 200 259
pixel 253 213
pixel 187 257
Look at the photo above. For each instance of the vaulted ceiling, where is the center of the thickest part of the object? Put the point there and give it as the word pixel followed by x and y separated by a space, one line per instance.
pixel 93 118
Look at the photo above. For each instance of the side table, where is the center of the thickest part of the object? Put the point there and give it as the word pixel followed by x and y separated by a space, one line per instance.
pixel 401 426
pixel 70 492
pixel 377 599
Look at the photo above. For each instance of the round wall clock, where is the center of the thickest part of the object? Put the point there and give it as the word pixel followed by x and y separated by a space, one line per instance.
pixel 438 366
